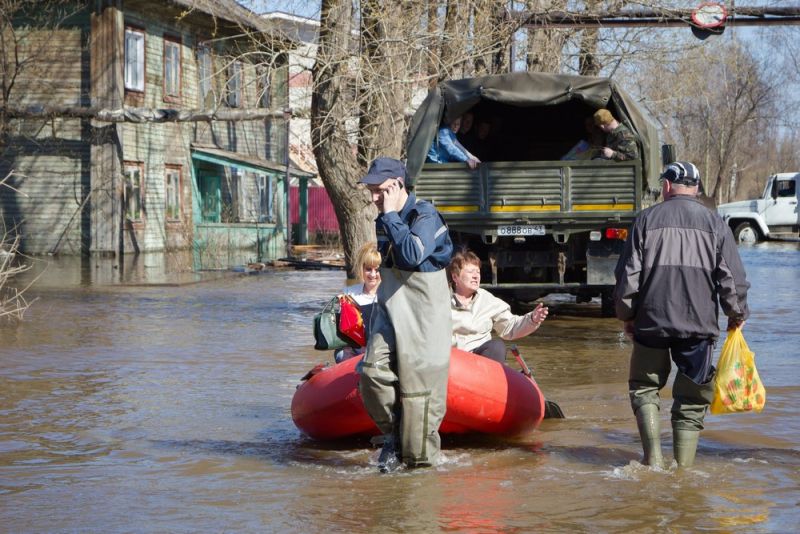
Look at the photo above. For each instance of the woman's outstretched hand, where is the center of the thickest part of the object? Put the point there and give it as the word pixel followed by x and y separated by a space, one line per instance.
pixel 538 314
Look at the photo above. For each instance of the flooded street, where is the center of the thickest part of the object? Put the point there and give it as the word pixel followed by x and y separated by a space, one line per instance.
pixel 166 409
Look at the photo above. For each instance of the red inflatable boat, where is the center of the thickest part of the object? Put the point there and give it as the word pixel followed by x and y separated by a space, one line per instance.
pixel 483 396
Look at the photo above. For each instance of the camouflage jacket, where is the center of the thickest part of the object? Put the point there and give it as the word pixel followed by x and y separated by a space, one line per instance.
pixel 623 142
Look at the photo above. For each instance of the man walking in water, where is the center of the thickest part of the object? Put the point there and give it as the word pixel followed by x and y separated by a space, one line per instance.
pixel 679 261
pixel 404 371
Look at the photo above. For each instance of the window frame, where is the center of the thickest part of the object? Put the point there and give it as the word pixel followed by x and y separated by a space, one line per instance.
pixel 265 198
pixel 129 86
pixel 178 169
pixel 170 41
pixel 234 94
pixel 264 87
pixel 789 191
pixel 139 166
pixel 204 53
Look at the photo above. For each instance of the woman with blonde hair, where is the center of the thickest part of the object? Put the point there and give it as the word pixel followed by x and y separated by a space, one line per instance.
pixel 365 293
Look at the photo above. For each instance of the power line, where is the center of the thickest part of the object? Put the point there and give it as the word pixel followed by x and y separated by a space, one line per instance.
pixel 739 16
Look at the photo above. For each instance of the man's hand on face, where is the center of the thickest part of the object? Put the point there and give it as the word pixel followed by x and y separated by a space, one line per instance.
pixel 393 197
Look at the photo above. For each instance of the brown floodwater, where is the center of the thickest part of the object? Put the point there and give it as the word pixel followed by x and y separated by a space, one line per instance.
pixel 166 408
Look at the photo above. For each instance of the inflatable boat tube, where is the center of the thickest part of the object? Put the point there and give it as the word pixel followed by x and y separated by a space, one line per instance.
pixel 483 396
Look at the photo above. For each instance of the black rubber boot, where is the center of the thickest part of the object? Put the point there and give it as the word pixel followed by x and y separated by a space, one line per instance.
pixel 389 459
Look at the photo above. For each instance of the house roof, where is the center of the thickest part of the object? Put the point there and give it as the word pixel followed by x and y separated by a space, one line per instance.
pixel 234 159
pixel 228 10
pixel 294 27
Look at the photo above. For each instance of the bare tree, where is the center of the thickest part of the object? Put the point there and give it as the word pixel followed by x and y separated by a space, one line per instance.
pixel 546 45
pixel 13 303
pixel 334 91
pixel 714 102
pixel 363 86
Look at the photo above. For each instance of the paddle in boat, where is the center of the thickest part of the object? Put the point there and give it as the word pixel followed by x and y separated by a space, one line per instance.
pixel 483 396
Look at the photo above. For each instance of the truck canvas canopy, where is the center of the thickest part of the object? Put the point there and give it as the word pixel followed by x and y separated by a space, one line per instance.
pixel 540 116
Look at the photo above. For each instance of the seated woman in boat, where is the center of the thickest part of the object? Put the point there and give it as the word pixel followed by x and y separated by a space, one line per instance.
pixel 365 293
pixel 476 312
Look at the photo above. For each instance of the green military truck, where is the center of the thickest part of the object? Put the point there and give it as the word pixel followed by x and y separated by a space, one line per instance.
pixel 540 224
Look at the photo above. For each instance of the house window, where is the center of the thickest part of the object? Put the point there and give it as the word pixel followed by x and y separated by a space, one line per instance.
pixel 172 69
pixel 134 59
pixel 264 87
pixel 172 192
pixel 132 196
pixel 235 79
pixel 205 73
pixel 264 183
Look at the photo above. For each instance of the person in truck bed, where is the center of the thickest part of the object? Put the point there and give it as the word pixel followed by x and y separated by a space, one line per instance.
pixel 447 149
pixel 620 142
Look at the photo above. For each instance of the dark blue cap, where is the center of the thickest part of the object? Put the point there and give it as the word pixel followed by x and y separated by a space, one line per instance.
pixel 682 172
pixel 382 169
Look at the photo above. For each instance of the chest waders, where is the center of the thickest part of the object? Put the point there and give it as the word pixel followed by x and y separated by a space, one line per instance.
pixel 404 372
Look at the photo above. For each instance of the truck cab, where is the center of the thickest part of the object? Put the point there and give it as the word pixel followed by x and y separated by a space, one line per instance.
pixel 773 216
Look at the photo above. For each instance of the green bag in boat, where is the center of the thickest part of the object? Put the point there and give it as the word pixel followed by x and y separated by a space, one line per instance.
pixel 326 328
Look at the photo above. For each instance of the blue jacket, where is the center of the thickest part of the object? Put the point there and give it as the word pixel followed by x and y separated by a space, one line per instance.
pixel 414 239
pixel 446 148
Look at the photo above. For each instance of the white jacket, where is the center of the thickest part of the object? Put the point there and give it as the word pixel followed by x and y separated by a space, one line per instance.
pixel 473 324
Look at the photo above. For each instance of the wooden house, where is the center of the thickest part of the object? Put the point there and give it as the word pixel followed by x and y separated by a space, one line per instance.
pixel 166 170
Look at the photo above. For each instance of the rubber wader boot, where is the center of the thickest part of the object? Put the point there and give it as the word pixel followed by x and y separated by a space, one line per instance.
pixel 389 459
pixel 649 432
pixel 684 446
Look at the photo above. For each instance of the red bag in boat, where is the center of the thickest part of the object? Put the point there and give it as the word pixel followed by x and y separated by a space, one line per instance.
pixel 350 322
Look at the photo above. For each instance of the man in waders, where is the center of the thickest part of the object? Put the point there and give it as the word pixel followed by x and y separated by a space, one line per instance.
pixel 680 259
pixel 404 371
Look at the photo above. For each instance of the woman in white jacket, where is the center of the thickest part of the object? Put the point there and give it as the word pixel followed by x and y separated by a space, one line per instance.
pixel 476 312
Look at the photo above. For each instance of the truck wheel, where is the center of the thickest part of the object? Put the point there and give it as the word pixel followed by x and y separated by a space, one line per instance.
pixel 745 233
pixel 607 305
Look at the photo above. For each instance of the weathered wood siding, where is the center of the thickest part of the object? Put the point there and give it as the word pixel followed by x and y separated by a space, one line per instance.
pixel 59 162
pixel 50 158
pixel 159 145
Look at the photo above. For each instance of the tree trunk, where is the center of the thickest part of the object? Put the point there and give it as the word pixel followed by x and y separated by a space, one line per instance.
pixel 588 64
pixel 484 37
pixel 545 46
pixel 432 40
pixel 330 109
pixel 451 48
pixel 384 90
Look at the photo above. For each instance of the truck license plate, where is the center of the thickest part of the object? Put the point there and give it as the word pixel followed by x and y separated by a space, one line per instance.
pixel 520 229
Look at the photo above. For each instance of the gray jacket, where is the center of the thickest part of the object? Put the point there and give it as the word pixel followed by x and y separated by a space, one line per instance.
pixel 680 260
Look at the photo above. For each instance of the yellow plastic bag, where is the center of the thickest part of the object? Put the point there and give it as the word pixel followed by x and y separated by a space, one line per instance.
pixel 737 386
